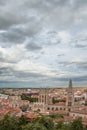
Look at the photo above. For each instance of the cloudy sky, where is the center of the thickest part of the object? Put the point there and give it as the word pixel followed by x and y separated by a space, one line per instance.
pixel 43 43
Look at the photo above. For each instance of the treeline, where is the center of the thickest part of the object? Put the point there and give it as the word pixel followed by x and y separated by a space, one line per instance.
pixel 41 123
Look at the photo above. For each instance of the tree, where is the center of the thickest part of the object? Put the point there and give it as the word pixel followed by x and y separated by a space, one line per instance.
pixel 34 126
pixel 23 120
pixel 9 123
pixel 47 122
pixel 77 124
pixel 29 98
pixel 62 126
pixel 55 116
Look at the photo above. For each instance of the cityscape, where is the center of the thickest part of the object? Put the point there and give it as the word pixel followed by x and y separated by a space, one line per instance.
pixel 43 64
pixel 70 102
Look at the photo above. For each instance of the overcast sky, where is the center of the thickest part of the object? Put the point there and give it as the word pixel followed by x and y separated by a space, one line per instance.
pixel 43 43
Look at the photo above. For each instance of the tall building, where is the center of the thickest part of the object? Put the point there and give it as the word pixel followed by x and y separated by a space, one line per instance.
pixel 43 101
pixel 44 96
pixel 70 96
pixel 86 97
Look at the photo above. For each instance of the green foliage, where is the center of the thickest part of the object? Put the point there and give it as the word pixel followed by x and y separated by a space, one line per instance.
pixel 9 123
pixel 41 123
pixel 47 122
pixel 77 124
pixel 56 101
pixel 25 97
pixel 55 116
pixel 62 126
pixel 23 120
pixel 59 125
pixel 34 126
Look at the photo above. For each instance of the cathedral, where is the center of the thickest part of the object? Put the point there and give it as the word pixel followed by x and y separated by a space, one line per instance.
pixel 45 102
pixel 69 108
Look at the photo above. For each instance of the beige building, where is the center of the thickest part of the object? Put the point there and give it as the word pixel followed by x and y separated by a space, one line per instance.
pixel 44 104
pixel 45 101
pixel 69 108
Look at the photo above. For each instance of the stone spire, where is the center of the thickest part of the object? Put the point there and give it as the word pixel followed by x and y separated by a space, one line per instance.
pixel 70 96
pixel 70 86
pixel 70 83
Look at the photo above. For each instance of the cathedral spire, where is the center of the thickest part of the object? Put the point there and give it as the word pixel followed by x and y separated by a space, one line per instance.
pixel 70 83
pixel 70 96
pixel 70 86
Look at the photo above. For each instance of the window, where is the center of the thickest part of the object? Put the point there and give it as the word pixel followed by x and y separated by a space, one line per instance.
pixel 60 108
pixel 56 109
pixel 52 108
pixel 69 109
pixel 69 103
pixel 48 108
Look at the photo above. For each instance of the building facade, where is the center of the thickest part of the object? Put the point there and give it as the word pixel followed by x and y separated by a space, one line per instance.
pixel 69 108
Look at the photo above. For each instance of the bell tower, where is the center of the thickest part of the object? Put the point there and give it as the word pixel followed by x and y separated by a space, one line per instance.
pixel 43 97
pixel 86 97
pixel 70 96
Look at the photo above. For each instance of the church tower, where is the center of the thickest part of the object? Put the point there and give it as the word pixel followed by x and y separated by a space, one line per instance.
pixel 44 96
pixel 86 97
pixel 70 96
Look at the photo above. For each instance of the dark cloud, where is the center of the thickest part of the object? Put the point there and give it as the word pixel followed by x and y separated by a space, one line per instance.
pixel 33 47
pixel 78 78
pixel 25 75
pixel 20 75
pixel 7 20
pixel 80 46
pixel 81 65
pixel 79 41
pixel 5 71
pixel 12 37
pixel 65 63
pixel 59 55
pixel 24 12
pixel 2 2
pixel 80 3
pixel 17 35
pixel 35 15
